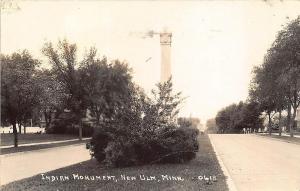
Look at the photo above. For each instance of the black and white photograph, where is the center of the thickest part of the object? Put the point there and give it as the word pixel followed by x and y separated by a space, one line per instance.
pixel 150 95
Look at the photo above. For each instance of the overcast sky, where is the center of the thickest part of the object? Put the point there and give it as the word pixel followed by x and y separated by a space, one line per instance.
pixel 215 43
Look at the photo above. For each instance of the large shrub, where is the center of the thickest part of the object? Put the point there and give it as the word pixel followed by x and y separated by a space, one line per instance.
pixel 114 148
pixel 99 142
pixel 145 132
pixel 174 146
pixel 183 144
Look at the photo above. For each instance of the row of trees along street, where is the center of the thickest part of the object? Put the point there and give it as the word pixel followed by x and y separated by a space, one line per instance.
pixel 235 117
pixel 274 91
pixel 276 83
pixel 30 90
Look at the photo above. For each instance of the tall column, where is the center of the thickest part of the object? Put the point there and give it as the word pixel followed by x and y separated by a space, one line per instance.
pixel 165 44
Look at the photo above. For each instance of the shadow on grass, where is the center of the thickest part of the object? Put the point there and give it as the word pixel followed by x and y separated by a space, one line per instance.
pixel 167 176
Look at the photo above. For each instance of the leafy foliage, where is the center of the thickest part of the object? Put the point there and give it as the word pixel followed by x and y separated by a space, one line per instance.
pixel 105 87
pixel 52 95
pixel 188 122
pixel 63 60
pixel 145 132
pixel 276 84
pixel 211 126
pixel 233 118
pixel 19 89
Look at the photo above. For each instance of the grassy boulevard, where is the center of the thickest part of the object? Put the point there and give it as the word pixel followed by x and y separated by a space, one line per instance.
pixel 7 140
pixel 185 176
pixel 294 140
pixel 37 147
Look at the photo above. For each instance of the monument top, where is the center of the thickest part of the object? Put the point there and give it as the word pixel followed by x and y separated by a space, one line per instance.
pixel 165 38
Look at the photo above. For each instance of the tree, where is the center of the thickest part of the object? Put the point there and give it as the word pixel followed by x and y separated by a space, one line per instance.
pixel 188 122
pixel 52 95
pixel 162 109
pixel 235 117
pixel 276 84
pixel 263 90
pixel 64 62
pixel 19 90
pixel 106 87
pixel 227 119
pixel 211 126
pixel 285 51
pixel 251 116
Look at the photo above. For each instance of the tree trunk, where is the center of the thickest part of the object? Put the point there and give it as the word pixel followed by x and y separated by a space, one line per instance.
pixel 80 130
pixel 270 128
pixel 289 117
pixel 15 132
pixel 280 124
pixel 293 122
pixel 47 125
pixel 48 120
pixel 97 119
pixel 20 127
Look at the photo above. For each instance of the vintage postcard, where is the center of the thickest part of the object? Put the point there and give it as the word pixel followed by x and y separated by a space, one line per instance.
pixel 150 95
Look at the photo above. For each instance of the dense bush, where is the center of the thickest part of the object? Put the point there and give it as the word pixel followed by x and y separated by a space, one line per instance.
pixel 174 146
pixel 145 132
pixel 113 148
pixel 183 144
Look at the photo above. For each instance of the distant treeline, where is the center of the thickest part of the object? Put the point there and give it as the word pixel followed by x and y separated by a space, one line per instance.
pixel 274 91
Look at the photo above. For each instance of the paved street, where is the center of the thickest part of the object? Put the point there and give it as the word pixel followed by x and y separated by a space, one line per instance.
pixel 258 163
pixel 22 165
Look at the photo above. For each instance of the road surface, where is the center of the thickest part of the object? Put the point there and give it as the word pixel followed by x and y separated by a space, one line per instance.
pixel 258 163
pixel 17 166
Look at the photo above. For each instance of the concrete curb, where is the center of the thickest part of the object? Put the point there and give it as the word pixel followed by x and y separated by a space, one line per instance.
pixel 229 181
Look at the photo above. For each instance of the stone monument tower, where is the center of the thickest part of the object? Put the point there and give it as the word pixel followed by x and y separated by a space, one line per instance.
pixel 165 44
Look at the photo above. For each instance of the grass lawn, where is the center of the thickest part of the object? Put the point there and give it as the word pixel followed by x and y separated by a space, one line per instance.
pixel 283 138
pixel 8 139
pixel 37 147
pixel 205 164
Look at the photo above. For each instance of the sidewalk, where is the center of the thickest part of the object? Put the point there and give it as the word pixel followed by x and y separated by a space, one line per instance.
pixel 284 137
pixel 23 165
pixel 288 135
pixel 42 143
pixel 282 134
